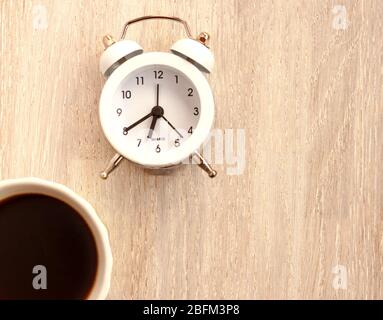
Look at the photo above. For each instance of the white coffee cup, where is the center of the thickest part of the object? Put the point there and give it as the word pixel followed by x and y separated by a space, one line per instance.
pixel 14 187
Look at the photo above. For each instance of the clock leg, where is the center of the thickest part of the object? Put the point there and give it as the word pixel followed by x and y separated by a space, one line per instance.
pixel 113 163
pixel 203 164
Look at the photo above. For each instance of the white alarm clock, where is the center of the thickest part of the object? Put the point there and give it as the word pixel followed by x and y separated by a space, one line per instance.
pixel 156 108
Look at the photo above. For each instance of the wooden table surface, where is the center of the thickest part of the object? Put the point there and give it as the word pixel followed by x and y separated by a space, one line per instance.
pixel 303 79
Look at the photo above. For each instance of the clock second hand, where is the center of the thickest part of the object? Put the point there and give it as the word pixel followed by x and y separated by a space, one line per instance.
pixel 158 112
pixel 172 126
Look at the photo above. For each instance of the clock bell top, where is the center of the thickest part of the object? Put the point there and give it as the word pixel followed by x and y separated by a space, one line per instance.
pixel 193 50
pixel 117 53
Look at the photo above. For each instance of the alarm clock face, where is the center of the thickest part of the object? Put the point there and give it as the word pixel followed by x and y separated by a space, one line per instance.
pixel 152 112
pixel 156 109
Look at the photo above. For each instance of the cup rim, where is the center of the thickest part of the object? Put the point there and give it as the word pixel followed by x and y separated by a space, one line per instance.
pixel 61 192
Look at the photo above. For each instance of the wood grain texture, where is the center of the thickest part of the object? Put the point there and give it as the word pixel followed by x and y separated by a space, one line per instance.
pixel 309 98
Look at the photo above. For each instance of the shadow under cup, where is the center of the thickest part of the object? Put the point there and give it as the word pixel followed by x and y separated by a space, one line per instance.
pixel 52 244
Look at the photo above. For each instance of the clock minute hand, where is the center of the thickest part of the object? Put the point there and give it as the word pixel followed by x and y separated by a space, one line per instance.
pixel 158 95
pixel 172 126
pixel 138 122
pixel 156 112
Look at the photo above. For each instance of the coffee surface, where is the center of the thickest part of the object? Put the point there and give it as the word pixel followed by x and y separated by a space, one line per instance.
pixel 38 230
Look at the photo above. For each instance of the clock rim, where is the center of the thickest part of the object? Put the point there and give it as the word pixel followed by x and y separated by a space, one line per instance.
pixel 201 132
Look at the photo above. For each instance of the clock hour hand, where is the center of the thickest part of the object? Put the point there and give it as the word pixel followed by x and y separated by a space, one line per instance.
pixel 172 126
pixel 126 129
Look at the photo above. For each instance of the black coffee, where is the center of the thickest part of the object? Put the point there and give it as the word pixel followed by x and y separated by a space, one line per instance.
pixel 47 250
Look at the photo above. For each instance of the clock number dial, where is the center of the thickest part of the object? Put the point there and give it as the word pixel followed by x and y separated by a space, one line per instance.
pixel 126 94
pixel 158 109
pixel 158 74
pixel 139 80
